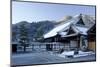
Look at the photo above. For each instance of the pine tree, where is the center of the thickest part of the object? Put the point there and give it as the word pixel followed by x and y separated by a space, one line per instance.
pixel 23 39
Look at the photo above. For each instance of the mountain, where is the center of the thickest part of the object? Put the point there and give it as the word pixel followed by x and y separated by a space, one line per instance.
pixel 34 29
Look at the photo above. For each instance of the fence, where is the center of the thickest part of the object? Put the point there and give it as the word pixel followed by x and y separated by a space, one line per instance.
pixel 53 46
pixel 46 46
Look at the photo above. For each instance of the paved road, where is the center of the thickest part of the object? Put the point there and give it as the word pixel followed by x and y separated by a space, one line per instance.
pixel 45 58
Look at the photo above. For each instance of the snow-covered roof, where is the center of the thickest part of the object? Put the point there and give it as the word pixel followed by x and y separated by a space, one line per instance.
pixel 60 28
pixel 70 35
pixel 87 19
pixel 82 30
pixel 56 30
pixel 63 33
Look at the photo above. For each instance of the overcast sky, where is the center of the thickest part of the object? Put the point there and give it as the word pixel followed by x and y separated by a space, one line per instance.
pixel 29 11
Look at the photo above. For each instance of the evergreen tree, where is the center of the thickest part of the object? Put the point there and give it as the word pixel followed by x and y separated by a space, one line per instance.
pixel 23 39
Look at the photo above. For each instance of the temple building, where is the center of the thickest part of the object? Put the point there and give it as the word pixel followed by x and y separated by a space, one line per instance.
pixel 71 35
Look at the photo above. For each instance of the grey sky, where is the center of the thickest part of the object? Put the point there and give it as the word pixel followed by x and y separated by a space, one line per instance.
pixel 30 11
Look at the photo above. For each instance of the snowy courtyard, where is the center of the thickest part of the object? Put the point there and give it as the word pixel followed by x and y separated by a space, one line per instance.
pixel 35 58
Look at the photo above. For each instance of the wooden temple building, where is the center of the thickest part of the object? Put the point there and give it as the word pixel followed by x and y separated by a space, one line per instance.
pixel 71 35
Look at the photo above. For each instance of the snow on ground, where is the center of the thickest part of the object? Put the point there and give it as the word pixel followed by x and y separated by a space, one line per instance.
pixel 71 53
pixel 45 58
pixel 81 53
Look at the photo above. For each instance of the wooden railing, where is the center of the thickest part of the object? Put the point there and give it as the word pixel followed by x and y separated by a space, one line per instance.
pixel 56 46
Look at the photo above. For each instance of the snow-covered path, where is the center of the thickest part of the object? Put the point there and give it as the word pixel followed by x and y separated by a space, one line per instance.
pixel 45 58
pixel 36 58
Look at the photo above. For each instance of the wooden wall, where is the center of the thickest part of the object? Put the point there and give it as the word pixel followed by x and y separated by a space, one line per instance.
pixel 92 45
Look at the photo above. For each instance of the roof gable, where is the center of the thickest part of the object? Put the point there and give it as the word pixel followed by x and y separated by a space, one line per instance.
pixel 80 22
pixel 71 31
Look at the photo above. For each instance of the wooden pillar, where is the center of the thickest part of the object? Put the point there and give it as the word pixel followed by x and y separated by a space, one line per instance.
pixel 78 42
pixel 55 44
pixel 59 45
